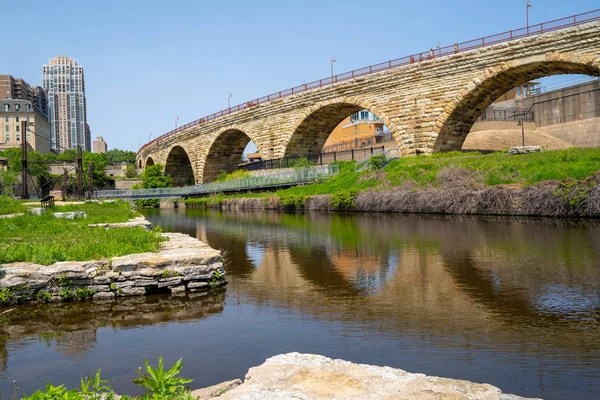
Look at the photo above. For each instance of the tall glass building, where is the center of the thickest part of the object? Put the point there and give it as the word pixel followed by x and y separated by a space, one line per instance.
pixel 63 81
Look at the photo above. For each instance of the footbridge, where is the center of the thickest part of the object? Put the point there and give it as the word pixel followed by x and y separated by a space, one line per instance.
pixel 278 180
pixel 429 101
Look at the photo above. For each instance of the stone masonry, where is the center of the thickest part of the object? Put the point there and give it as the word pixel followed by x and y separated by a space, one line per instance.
pixel 428 106
pixel 182 264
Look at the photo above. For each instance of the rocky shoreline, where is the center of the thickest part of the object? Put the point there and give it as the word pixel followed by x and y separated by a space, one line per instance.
pixel 310 376
pixel 183 264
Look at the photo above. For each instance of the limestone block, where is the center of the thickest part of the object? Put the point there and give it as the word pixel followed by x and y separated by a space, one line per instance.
pixel 132 291
pixel 197 285
pixel 310 376
pixel 103 295
pixel 70 215
pixel 36 211
pixel 524 150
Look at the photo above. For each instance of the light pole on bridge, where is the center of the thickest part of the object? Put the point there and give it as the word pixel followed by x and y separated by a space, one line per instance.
pixel 229 96
pixel 332 61
pixel 527 5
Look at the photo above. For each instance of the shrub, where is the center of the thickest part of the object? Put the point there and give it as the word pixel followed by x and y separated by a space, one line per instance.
pixel 292 201
pixel 344 199
pixel 235 175
pixel 300 162
pixel 377 162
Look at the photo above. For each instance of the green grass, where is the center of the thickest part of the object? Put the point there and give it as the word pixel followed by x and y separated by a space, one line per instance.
pixel 424 171
pixel 97 213
pixel 8 205
pixel 46 240
pixel 492 169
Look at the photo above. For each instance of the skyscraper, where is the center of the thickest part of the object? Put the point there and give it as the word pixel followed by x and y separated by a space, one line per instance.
pixel 65 87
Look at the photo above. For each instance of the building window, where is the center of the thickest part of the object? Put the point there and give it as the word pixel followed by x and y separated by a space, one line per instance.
pixel 17 128
pixel 7 138
pixel 6 119
pixel 17 119
pixel 18 137
pixel 6 107
pixel 364 115
pixel 28 118
pixel 28 108
pixel 17 107
pixel 29 137
pixel 353 117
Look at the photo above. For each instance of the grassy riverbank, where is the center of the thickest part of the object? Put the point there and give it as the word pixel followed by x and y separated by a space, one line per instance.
pixel 554 182
pixel 45 240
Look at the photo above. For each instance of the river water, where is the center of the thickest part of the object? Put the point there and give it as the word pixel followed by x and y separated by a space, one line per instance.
pixel 509 301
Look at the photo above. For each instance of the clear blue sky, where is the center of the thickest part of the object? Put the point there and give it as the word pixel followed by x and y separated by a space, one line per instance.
pixel 148 62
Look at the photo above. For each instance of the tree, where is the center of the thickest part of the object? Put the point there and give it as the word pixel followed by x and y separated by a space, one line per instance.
pixel 116 156
pixel 99 167
pixel 153 177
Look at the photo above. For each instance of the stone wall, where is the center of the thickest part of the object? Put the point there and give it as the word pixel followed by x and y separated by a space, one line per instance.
pixel 182 264
pixel 428 106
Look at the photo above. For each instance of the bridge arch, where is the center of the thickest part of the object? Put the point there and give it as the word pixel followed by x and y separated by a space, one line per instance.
pixel 149 162
pixel 179 167
pixel 225 153
pixel 461 113
pixel 311 132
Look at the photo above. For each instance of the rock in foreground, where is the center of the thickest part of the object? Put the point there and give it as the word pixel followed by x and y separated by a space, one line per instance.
pixel 309 376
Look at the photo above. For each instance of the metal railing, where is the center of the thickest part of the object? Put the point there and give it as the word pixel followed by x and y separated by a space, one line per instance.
pixel 358 143
pixel 282 179
pixel 323 158
pixel 430 54
pixel 511 114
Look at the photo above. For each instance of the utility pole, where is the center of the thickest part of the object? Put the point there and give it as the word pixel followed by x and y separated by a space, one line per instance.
pixel 24 189
pixel 91 178
pixel 79 172
pixel 65 185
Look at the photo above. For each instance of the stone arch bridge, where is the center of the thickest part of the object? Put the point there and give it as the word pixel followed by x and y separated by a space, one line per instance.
pixel 428 101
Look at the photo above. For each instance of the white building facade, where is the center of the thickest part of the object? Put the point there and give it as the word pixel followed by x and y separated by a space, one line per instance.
pixel 64 83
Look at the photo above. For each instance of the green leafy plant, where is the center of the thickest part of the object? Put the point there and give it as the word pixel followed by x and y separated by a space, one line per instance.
pixel 377 162
pixel 161 383
pixel 44 296
pixel 96 388
pixel 113 286
pixel 344 200
pixel 84 293
pixel 168 274
pixel 6 296
pixel 66 294
pixel 292 201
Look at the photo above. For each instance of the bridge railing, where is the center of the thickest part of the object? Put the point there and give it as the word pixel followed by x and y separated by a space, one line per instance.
pixel 283 178
pixel 510 114
pixel 430 54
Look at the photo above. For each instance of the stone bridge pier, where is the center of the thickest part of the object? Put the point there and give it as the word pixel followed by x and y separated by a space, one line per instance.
pixel 428 106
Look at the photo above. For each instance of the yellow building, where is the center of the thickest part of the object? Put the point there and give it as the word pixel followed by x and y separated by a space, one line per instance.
pixel 361 129
pixel 12 113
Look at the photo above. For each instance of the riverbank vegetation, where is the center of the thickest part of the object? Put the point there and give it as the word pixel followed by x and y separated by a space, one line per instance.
pixel 44 239
pixel 158 383
pixel 554 183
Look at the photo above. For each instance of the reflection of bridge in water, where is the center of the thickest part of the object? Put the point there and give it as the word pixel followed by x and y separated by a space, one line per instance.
pixel 409 273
